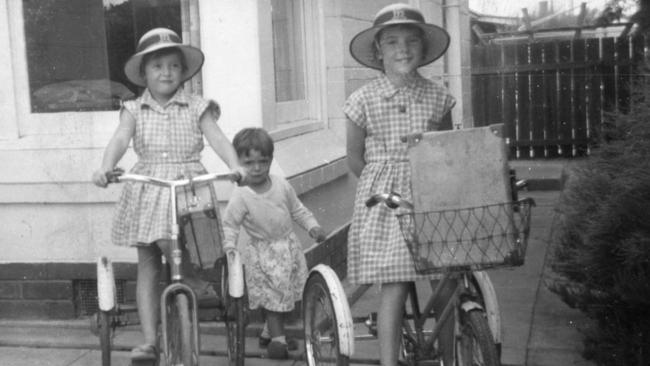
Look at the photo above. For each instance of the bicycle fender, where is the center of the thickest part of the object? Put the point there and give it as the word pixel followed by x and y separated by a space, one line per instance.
pixel 491 304
pixel 106 291
pixel 341 308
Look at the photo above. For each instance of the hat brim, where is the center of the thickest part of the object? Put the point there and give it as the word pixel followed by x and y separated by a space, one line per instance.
pixel 193 59
pixel 362 50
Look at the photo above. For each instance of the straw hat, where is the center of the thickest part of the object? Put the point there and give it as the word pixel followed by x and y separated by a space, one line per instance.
pixel 157 39
pixel 436 39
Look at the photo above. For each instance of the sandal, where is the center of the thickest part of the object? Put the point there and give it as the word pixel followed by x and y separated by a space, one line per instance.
pixel 144 352
pixel 292 344
pixel 277 351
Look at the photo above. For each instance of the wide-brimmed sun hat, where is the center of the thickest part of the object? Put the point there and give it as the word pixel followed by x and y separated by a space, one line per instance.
pixel 436 39
pixel 157 39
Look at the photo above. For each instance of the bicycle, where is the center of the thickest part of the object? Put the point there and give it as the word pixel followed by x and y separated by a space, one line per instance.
pixel 179 305
pixel 457 244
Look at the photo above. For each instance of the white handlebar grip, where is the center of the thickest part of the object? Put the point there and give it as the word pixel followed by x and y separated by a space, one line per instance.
pixel 235 275
pixel 105 284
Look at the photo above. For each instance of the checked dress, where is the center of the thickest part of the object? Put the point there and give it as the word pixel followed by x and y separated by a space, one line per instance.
pixel 377 252
pixel 168 142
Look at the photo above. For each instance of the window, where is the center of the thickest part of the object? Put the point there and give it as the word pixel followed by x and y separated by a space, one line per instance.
pixel 288 45
pixel 295 27
pixel 76 49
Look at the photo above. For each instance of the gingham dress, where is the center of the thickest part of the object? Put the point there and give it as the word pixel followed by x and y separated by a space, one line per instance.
pixel 376 249
pixel 168 142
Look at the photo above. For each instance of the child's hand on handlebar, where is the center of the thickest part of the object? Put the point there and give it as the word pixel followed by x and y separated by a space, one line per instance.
pixel 317 233
pixel 241 172
pixel 103 177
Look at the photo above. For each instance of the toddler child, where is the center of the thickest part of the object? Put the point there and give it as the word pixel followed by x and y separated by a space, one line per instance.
pixel 274 263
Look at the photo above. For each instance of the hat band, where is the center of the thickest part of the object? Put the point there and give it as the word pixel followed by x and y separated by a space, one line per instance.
pixel 158 38
pixel 399 14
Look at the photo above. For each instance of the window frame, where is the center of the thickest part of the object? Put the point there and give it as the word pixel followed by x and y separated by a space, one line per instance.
pixel 287 119
pixel 65 128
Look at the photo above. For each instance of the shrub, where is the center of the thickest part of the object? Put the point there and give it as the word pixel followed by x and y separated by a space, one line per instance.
pixel 603 246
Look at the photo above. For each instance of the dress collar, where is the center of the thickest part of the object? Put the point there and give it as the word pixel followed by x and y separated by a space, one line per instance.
pixel 414 89
pixel 180 98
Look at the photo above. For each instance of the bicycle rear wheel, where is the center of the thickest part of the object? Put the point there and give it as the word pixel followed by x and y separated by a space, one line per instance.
pixel 180 340
pixel 475 344
pixel 235 320
pixel 321 325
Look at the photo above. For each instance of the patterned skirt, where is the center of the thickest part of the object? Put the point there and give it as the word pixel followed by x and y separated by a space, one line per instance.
pixel 275 271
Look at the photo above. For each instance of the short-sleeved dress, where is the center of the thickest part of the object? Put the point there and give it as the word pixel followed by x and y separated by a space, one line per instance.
pixel 377 252
pixel 168 142
pixel 274 262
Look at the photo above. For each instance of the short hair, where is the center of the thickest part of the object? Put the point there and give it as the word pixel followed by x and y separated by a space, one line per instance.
pixel 163 52
pixel 375 43
pixel 253 138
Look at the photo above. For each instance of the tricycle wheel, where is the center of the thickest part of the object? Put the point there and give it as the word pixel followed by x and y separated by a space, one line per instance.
pixel 321 324
pixel 105 331
pixel 235 320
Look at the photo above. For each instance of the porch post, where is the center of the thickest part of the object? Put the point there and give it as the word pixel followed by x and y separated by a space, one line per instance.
pixel 456 16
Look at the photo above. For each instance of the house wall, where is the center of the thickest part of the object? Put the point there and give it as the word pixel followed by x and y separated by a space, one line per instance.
pixel 56 223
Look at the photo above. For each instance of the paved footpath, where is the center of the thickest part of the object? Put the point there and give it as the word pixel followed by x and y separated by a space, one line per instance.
pixel 538 328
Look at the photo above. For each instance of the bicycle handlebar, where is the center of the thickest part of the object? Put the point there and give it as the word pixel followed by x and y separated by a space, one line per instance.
pixel 118 176
pixel 392 200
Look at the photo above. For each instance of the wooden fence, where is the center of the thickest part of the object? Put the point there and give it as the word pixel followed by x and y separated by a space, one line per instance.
pixel 553 95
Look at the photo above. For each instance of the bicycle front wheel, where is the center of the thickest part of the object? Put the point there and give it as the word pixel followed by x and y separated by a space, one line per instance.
pixel 180 340
pixel 235 321
pixel 321 324
pixel 475 344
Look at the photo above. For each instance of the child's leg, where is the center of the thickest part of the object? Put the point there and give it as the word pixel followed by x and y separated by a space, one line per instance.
pixel 275 322
pixel 389 320
pixel 147 291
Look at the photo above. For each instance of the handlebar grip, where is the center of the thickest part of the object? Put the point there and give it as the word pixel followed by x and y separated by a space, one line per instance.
pixel 237 177
pixel 372 201
pixel 114 175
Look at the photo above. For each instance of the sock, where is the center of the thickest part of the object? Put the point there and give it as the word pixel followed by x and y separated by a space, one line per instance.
pixel 265 331
pixel 282 339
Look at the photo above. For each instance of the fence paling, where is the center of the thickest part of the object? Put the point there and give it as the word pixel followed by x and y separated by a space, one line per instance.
pixel 552 95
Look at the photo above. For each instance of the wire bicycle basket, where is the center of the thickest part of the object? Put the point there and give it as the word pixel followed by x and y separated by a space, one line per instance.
pixel 475 238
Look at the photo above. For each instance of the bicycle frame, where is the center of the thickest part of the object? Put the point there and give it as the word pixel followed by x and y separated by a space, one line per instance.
pixel 177 286
pixel 462 296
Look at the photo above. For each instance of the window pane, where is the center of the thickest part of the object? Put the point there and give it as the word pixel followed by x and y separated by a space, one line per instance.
pixel 76 49
pixel 288 50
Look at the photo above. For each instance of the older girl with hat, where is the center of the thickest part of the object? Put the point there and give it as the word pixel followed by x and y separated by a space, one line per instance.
pixel 399 102
pixel 167 126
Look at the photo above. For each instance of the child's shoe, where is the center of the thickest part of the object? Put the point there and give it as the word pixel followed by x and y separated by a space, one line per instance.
pixel 144 352
pixel 292 344
pixel 277 351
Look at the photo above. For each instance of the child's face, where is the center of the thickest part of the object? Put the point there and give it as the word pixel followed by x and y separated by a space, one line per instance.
pixel 163 75
pixel 400 49
pixel 257 167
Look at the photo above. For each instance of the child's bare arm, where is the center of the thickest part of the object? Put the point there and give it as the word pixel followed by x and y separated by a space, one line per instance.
pixel 116 147
pixel 355 146
pixel 218 140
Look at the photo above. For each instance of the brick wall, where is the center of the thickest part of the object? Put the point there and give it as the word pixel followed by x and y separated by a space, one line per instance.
pixel 47 290
pixel 51 290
